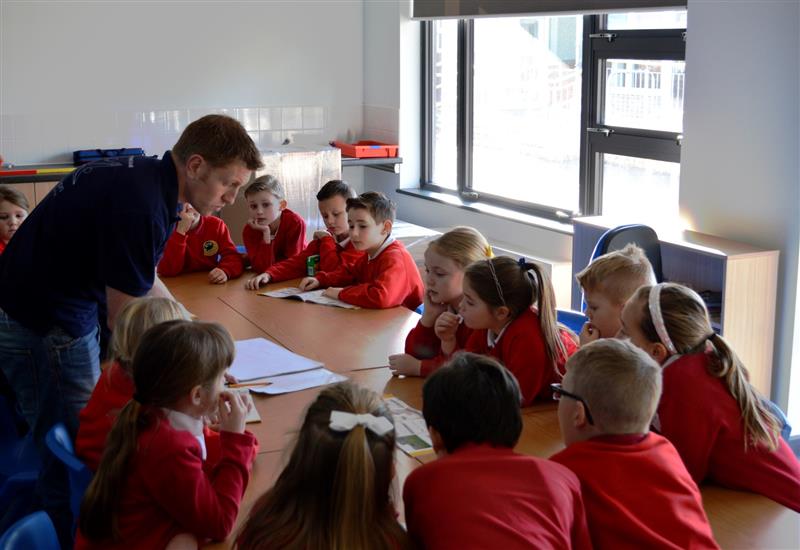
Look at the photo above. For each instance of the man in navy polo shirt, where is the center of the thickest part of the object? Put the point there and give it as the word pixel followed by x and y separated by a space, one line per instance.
pixel 92 245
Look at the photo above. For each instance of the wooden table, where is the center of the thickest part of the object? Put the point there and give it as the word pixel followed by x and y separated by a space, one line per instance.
pixel 354 342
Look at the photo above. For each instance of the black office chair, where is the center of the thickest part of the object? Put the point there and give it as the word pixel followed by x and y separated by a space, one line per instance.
pixel 642 236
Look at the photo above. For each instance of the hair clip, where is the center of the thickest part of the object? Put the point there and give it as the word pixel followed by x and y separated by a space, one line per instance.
pixel 522 264
pixel 654 303
pixel 344 422
pixel 488 251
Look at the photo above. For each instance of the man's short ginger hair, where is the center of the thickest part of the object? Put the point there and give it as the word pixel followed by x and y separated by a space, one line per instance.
pixel 618 274
pixel 220 140
pixel 377 204
pixel 620 383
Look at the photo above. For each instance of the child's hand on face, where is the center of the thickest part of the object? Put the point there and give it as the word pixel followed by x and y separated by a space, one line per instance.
pixel 232 412
pixel 257 281
pixel 308 283
pixel 332 292
pixel 404 364
pixel 217 276
pixel 321 234
pixel 267 232
pixel 432 311
pixel 589 333
pixel 187 217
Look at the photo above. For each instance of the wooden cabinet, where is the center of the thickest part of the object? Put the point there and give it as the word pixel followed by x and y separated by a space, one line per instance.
pixel 745 275
pixel 34 191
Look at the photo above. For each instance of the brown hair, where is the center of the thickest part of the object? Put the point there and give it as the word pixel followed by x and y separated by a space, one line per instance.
pixel 522 284
pixel 334 492
pixel 687 323
pixel 220 140
pixel 377 204
pixel 195 353
pixel 267 183
pixel 335 188
pixel 618 274
pixel 15 197
pixel 464 245
pixel 620 383
pixel 134 319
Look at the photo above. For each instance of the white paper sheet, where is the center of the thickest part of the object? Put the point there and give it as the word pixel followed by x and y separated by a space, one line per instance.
pixel 300 381
pixel 411 431
pixel 260 358
pixel 313 296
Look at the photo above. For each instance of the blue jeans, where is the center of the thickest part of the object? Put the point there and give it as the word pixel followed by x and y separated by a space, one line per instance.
pixel 52 377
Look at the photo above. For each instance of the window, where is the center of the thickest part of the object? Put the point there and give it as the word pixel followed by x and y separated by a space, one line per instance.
pixel 556 116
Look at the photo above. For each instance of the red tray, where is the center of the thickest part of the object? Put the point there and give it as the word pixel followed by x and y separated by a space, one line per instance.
pixel 366 149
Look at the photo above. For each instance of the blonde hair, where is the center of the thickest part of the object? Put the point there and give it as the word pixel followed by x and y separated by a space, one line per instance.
pixel 688 326
pixel 464 245
pixel 618 274
pixel 334 492
pixel 620 383
pixel 134 319
pixel 267 183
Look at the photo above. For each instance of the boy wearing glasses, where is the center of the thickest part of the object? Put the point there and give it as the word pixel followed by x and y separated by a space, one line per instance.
pixel 480 493
pixel 637 491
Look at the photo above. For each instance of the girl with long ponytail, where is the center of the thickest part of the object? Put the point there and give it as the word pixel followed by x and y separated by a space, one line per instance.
pixel 510 306
pixel 723 429
pixel 334 492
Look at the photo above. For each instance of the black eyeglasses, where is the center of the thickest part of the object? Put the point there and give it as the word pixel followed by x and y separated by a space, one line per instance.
pixel 558 391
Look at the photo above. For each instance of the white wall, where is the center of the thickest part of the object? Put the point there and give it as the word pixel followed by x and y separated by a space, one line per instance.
pixel 79 75
pixel 740 176
pixel 740 173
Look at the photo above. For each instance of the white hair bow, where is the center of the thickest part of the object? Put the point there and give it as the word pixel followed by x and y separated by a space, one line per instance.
pixel 344 422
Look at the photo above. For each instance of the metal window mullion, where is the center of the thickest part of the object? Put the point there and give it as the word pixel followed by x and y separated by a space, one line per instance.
pixel 426 123
pixel 465 108
pixel 590 191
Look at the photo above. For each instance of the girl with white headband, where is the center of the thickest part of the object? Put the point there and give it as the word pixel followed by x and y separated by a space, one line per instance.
pixel 334 492
pixel 722 428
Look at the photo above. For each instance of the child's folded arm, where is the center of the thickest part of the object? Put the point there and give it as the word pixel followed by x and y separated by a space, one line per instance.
pixel 174 258
pixel 260 253
pixel 294 267
pixel 387 290
pixel 230 260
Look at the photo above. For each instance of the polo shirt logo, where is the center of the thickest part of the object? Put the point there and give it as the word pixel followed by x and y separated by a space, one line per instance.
pixel 210 248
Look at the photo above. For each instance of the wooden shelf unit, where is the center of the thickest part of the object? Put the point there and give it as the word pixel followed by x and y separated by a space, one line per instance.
pixel 746 275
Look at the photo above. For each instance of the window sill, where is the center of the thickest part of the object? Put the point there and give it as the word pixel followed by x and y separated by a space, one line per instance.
pixel 490 209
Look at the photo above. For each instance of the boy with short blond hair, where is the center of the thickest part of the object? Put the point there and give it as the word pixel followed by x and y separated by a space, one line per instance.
pixel 636 490
pixel 386 275
pixel 273 232
pixel 607 283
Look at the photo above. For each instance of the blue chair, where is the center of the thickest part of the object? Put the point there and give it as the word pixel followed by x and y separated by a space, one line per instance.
pixel 60 444
pixel 420 309
pixel 573 320
pixel 18 454
pixel 643 236
pixel 33 531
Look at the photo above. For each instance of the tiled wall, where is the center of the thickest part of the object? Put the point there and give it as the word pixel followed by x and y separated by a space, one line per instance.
pixel 51 137
pixel 382 124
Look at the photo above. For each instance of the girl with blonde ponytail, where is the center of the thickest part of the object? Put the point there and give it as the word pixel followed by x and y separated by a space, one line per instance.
pixel 510 307
pixel 334 492
pixel 720 425
pixel 446 259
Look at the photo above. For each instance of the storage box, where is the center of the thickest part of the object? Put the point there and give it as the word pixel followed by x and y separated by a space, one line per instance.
pixel 366 149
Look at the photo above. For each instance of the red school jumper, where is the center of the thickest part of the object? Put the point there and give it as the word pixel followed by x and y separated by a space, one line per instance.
pixel 203 248
pixel 287 242
pixel 166 491
pixel 522 350
pixel 491 497
pixel 701 418
pixel 389 279
pixel 2 246
pixel 331 256
pixel 113 391
pixel 638 493
pixel 423 344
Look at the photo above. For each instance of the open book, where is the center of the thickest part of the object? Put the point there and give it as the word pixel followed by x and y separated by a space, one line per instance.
pixel 314 296
pixel 411 430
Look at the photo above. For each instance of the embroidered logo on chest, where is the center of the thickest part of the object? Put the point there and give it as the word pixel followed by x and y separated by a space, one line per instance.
pixel 210 248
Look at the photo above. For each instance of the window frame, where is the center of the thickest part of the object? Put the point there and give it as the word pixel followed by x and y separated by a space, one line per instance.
pixel 646 44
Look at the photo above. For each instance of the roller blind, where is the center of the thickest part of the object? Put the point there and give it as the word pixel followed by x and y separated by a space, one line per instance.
pixel 459 9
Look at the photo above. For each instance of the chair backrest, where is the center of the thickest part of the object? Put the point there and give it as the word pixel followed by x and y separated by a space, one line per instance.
pixel 60 444
pixel 33 531
pixel 643 236
pixel 573 320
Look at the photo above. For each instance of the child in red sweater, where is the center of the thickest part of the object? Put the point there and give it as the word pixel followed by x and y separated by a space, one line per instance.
pixel 273 232
pixel 722 428
pixel 446 258
pixel 151 488
pixel 115 387
pixel 332 247
pixel 637 491
pixel 13 211
pixel 335 492
pixel 386 276
pixel 480 493
pixel 201 243
pixel 499 295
